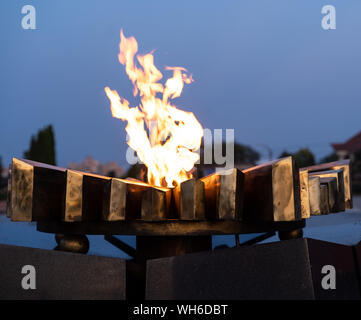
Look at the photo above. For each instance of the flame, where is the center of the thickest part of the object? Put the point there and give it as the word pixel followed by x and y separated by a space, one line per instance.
pixel 169 150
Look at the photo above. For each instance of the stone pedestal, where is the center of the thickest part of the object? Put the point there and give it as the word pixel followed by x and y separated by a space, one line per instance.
pixel 289 269
pixel 357 254
pixel 59 275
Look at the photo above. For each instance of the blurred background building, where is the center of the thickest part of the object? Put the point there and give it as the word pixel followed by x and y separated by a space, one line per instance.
pixel 348 149
pixel 111 169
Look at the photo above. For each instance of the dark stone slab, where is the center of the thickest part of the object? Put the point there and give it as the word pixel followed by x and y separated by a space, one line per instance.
pixel 357 255
pixel 289 269
pixel 341 257
pixel 279 270
pixel 61 275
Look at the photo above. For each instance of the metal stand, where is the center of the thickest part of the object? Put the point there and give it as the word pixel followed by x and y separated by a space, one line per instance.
pixel 290 234
pixel 158 239
pixel 167 246
pixel 72 243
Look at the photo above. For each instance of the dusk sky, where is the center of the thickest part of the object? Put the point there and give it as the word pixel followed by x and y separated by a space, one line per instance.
pixel 264 68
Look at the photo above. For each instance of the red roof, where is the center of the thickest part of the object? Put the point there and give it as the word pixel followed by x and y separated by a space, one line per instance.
pixel 351 145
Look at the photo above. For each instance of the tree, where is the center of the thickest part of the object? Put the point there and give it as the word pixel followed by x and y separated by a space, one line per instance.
pixel 42 147
pixel 330 158
pixel 111 174
pixel 137 171
pixel 285 154
pixel 243 154
pixel 303 157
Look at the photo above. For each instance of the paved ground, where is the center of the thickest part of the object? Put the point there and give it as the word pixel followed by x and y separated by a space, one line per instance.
pixel 342 228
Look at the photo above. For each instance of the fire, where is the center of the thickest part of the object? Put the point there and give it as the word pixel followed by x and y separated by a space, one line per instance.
pixel 168 148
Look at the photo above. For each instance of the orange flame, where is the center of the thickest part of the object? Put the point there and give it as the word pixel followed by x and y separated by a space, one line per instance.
pixel 174 135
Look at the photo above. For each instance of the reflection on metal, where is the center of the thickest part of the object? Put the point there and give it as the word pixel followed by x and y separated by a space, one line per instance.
pixel 37 191
pixel 74 196
pixel 84 196
pixel 156 203
pixel 272 191
pixel 22 182
pixel 189 200
pixel 338 174
pixel 224 195
pixel 331 184
pixel 305 199
pixel 336 165
pixel 122 199
pixel 315 195
pixel 324 203
pixel 8 198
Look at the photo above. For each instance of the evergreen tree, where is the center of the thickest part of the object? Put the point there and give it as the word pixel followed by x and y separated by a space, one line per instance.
pixel 42 147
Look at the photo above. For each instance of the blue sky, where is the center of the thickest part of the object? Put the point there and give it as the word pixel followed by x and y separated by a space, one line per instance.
pixel 265 68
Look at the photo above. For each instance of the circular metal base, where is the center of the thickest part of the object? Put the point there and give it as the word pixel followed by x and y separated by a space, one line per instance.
pixel 165 228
